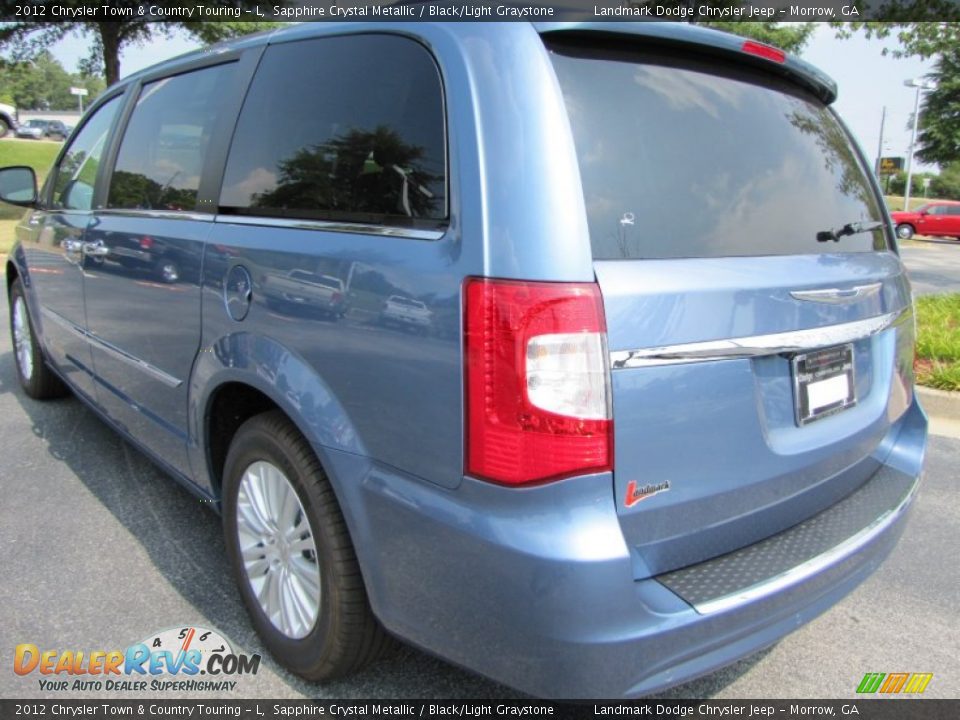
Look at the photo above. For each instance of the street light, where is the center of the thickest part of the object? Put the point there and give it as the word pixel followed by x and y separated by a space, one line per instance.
pixel 919 84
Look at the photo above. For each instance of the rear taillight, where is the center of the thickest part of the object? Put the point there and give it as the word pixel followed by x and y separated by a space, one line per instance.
pixel 537 381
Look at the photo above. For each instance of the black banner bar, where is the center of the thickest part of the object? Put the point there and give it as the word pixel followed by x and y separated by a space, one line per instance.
pixel 483 10
pixel 868 709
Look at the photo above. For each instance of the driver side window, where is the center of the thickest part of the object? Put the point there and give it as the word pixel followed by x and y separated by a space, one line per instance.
pixel 77 173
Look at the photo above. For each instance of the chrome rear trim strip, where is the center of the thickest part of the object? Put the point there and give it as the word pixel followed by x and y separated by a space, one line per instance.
pixel 757 345
pixel 814 565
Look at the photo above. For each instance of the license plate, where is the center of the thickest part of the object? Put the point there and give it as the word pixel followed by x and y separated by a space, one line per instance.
pixel 823 383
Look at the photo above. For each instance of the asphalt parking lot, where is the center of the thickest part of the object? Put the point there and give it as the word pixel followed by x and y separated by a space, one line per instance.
pixel 101 550
pixel 934 264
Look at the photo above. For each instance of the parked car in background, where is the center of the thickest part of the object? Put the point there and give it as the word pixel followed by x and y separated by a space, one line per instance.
pixel 8 119
pixel 310 290
pixel 665 412
pixel 40 129
pixel 940 218
pixel 406 312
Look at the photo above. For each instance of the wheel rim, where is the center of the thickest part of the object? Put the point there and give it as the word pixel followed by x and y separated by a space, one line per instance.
pixel 905 232
pixel 22 338
pixel 278 550
pixel 170 272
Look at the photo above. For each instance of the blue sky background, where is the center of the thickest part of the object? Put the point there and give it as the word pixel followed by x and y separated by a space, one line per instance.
pixel 867 80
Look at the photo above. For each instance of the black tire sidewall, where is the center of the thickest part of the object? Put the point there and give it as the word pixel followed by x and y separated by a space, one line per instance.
pixel 254 442
pixel 31 386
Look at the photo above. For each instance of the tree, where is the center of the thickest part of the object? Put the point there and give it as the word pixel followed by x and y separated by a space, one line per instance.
pixel 939 130
pixel 43 84
pixel 947 183
pixel 939 136
pixel 26 39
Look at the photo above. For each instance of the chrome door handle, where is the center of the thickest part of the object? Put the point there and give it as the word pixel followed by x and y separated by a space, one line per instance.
pixel 95 249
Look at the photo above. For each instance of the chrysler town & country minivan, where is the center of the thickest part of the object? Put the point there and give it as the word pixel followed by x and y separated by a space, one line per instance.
pixel 659 410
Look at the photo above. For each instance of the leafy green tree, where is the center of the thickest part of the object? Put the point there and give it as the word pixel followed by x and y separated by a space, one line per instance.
pixel 947 184
pixel 939 136
pixel 43 84
pixel 919 27
pixel 24 40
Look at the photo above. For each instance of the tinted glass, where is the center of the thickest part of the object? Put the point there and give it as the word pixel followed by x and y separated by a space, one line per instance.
pixel 77 173
pixel 163 149
pixel 683 159
pixel 953 210
pixel 343 128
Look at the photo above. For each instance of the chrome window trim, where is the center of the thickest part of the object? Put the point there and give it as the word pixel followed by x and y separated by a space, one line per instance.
pixel 333 226
pixel 814 565
pixel 757 345
pixel 156 214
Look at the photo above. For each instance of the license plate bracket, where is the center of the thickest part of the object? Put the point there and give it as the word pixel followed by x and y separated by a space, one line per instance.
pixel 823 383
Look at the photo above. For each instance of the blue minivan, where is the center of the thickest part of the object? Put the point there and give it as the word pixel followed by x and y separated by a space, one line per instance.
pixel 578 355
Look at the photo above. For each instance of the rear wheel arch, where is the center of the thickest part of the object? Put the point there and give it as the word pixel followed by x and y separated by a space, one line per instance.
pixel 229 406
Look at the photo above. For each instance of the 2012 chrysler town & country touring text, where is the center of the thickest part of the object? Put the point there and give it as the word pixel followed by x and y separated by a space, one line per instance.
pixel 658 409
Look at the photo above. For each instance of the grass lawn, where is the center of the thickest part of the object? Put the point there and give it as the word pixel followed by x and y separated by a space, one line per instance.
pixel 38 154
pixel 895 202
pixel 938 341
pixel 6 236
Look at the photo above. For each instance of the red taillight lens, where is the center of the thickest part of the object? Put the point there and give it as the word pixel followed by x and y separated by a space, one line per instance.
pixel 537 381
pixel 146 242
pixel 765 51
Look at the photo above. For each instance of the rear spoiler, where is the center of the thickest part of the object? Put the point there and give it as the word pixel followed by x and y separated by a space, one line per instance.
pixel 705 42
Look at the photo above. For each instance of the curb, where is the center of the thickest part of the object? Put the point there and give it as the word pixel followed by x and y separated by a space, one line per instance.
pixel 940 403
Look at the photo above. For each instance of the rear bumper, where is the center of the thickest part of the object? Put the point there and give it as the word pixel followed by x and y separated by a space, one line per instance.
pixel 535 588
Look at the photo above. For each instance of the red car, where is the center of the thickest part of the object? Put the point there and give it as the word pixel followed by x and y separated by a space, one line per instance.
pixel 936 218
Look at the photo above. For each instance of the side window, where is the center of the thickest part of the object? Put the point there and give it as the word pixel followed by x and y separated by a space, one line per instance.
pixel 163 149
pixel 360 140
pixel 937 210
pixel 77 172
pixel 953 210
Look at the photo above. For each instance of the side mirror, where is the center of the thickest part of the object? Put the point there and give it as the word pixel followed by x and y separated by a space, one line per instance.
pixel 18 186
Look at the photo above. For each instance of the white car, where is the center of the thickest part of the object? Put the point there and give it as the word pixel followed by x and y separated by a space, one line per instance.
pixel 8 122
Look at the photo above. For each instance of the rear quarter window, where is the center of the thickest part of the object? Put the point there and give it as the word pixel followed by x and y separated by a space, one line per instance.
pixel 342 128
pixel 684 158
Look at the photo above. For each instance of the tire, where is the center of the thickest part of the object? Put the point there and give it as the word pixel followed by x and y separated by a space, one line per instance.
pixel 4 127
pixel 36 378
pixel 905 231
pixel 344 635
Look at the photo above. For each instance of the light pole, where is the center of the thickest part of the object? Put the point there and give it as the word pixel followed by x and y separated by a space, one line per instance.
pixel 919 84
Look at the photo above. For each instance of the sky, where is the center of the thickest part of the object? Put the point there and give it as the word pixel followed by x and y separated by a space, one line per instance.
pixel 867 80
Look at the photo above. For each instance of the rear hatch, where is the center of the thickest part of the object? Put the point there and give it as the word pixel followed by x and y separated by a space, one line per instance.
pixel 756 312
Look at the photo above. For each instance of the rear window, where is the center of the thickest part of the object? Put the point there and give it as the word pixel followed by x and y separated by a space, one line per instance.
pixel 680 158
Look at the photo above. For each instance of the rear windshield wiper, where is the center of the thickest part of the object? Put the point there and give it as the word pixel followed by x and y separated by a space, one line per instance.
pixel 854 228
